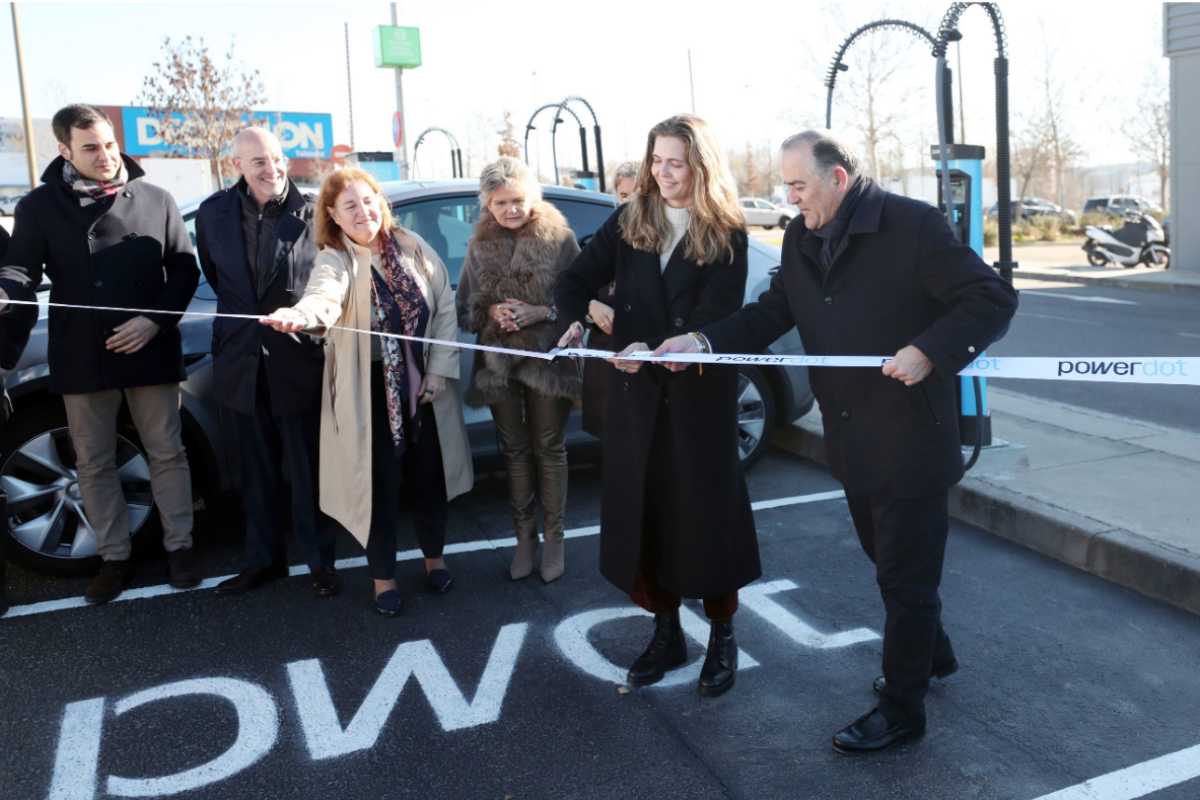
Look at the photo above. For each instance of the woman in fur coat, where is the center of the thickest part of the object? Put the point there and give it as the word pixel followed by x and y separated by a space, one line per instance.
pixel 505 295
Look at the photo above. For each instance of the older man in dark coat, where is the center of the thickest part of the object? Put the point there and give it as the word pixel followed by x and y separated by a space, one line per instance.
pixel 867 272
pixel 105 237
pixel 256 248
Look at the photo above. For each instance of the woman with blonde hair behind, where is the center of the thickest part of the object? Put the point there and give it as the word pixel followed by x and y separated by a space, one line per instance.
pixel 675 518
pixel 505 295
pixel 390 408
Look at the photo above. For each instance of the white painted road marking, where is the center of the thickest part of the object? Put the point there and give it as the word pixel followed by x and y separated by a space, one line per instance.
pixel 147 592
pixel 1136 781
pixel 1189 334
pixel 1081 298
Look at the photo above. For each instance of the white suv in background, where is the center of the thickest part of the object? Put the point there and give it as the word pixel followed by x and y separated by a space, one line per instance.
pixel 765 213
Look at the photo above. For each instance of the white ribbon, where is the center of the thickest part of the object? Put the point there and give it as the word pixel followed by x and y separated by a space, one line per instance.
pixel 1176 370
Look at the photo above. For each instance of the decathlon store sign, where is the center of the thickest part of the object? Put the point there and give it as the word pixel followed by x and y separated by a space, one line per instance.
pixel 302 135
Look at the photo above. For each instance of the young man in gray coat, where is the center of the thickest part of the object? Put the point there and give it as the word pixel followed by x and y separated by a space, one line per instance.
pixel 105 237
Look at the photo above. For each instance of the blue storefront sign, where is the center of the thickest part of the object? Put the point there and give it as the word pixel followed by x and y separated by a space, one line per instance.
pixel 302 135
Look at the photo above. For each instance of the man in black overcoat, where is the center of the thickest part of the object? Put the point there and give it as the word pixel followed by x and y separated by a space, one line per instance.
pixel 867 272
pixel 257 245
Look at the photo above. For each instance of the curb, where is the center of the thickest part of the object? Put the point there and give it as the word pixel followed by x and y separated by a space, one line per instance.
pixel 1116 555
pixel 1092 280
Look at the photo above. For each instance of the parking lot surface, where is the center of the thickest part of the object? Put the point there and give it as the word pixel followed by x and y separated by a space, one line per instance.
pixel 514 690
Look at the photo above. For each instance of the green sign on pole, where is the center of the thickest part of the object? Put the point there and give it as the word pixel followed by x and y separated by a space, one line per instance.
pixel 397 47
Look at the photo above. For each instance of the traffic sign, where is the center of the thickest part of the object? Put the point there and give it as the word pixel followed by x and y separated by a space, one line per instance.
pixel 339 152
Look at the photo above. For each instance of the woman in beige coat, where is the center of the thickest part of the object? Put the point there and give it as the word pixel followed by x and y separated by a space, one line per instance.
pixel 390 408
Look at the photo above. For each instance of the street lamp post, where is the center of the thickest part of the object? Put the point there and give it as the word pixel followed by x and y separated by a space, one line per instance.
pixel 30 151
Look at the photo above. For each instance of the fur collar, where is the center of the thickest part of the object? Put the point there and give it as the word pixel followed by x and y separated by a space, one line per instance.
pixel 546 223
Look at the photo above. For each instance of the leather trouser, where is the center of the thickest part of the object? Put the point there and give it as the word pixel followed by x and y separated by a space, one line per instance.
pixel 532 436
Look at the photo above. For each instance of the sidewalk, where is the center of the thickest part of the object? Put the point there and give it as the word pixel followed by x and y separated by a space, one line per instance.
pixel 1115 497
pixel 1067 262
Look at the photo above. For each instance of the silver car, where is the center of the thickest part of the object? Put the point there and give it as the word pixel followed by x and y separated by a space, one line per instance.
pixel 37 462
pixel 765 213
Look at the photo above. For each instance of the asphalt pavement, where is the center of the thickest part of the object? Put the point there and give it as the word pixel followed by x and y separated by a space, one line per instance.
pixel 513 690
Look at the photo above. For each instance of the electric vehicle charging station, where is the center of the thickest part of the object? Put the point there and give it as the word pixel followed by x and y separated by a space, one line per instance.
pixel 964 212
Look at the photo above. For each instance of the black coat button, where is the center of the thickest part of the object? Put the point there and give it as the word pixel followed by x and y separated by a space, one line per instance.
pixel 98 284
pixel 845 415
pixel 828 301
pixel 628 307
pixel 678 322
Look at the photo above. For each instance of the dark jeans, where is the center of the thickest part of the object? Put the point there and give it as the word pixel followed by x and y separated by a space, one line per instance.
pixel 906 538
pixel 269 441
pixel 419 469
pixel 532 430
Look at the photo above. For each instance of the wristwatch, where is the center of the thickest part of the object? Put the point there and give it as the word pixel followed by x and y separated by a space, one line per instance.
pixel 551 314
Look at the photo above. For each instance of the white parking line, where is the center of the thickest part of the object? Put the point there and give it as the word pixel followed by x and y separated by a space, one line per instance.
pixel 1189 334
pixel 1136 781
pixel 146 592
pixel 1081 298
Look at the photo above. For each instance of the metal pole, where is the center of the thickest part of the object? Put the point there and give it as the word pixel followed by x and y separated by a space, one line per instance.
pixel 30 152
pixel 691 81
pixel 599 157
pixel 962 119
pixel 349 85
pixel 402 145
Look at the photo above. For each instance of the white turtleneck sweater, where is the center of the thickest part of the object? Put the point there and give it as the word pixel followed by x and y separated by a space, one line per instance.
pixel 679 218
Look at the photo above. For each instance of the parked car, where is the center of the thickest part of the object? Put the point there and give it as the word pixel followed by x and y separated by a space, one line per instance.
pixel 8 204
pixel 1117 205
pixel 37 463
pixel 1029 208
pixel 765 213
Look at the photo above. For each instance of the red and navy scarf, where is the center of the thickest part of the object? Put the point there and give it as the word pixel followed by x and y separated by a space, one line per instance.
pixel 89 191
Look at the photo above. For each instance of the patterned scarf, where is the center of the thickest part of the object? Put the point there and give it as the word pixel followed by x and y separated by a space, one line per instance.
pixel 89 191
pixel 399 307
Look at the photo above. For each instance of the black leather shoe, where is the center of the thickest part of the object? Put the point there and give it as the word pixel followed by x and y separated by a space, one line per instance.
pixel 252 578
pixel 325 582
pixel 112 579
pixel 720 664
pixel 181 567
pixel 439 581
pixel 667 650
pixel 389 603
pixel 872 732
pixel 940 672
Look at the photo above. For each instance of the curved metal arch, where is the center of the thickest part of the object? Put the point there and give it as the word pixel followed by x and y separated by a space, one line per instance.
pixel 583 137
pixel 837 66
pixel 950 23
pixel 455 151
pixel 553 143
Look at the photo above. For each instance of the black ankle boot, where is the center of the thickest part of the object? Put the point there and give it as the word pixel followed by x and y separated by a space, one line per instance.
pixel 666 650
pixel 720 664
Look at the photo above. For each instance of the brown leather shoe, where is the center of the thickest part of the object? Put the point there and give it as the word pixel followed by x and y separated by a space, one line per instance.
pixel 181 566
pixel 109 582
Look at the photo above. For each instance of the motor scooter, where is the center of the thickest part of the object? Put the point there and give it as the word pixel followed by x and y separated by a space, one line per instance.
pixel 1140 240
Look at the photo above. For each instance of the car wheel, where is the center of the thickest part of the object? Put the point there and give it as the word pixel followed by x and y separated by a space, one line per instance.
pixel 767 227
pixel 47 525
pixel 783 222
pixel 756 415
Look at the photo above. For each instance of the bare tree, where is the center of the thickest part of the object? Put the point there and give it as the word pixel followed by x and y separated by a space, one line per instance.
pixel 1031 152
pixel 1063 148
pixel 508 138
pixel 200 104
pixel 1148 130
pixel 875 95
